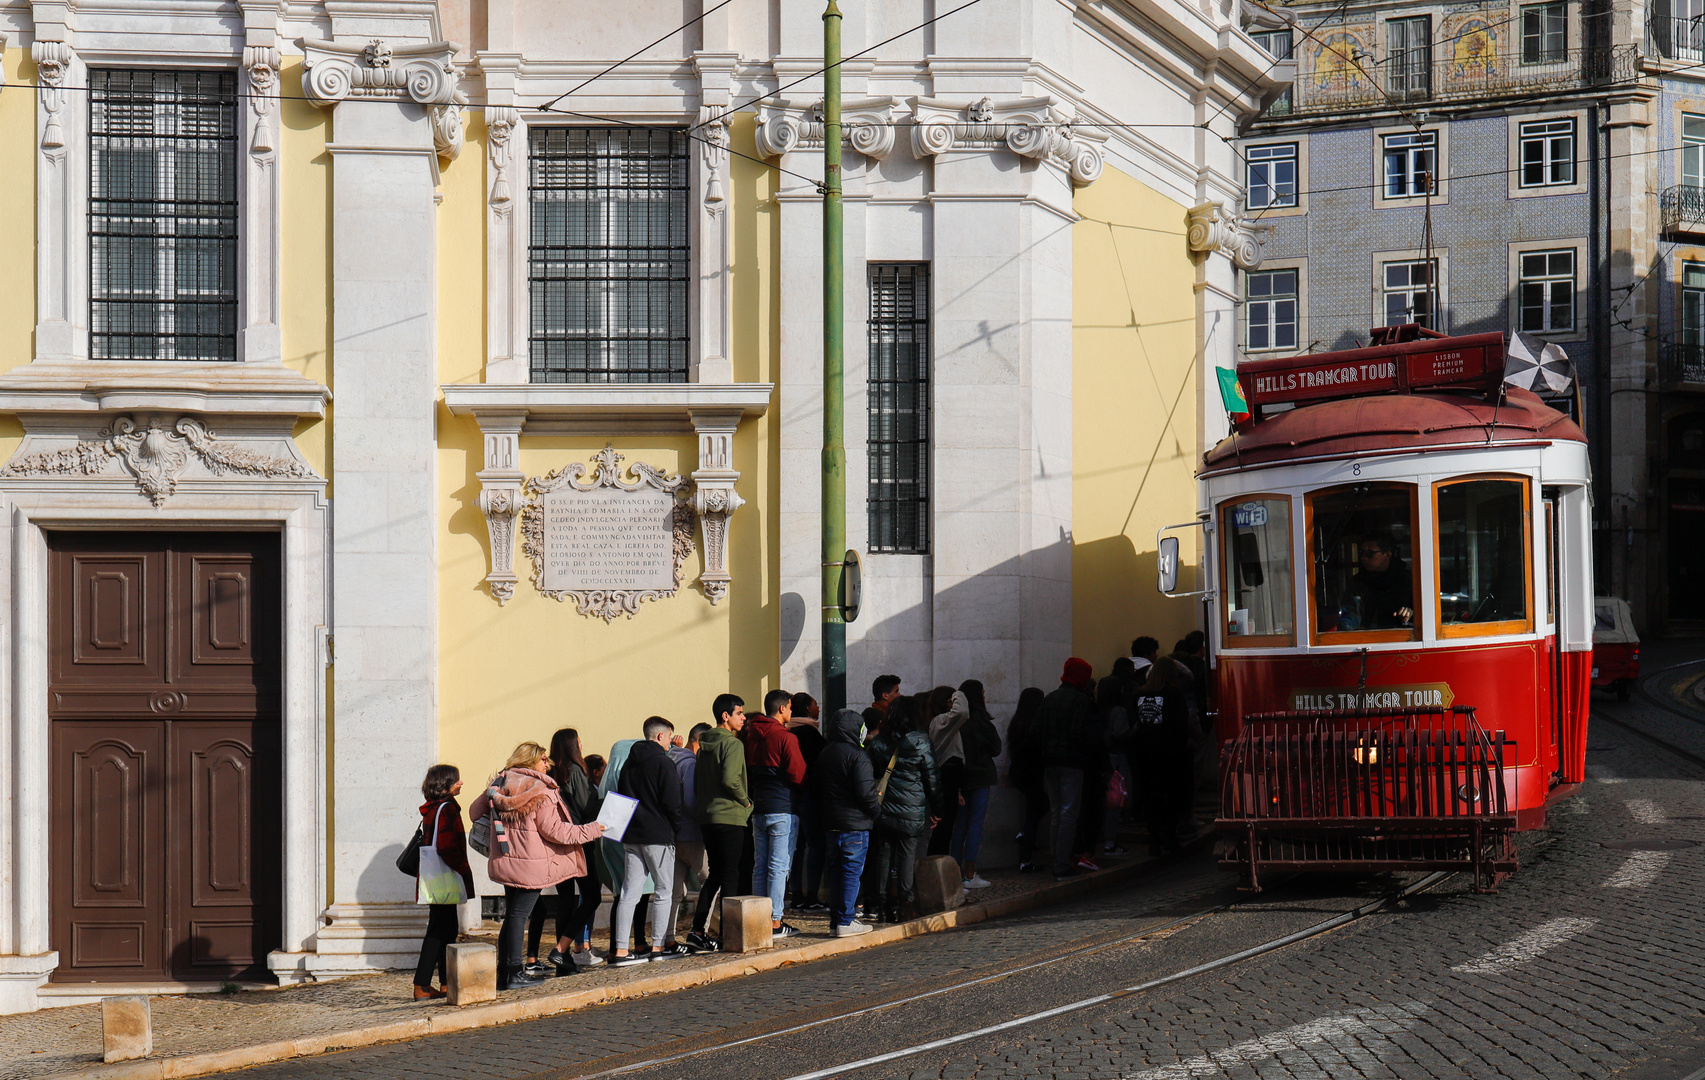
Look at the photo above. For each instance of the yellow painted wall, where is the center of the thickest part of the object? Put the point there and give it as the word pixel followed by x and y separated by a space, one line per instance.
pixel 305 174
pixel 1133 414
pixel 18 211
pixel 518 672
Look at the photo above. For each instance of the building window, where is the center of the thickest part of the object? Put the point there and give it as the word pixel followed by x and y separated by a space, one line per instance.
pixel 1693 150
pixel 1409 56
pixel 1409 292
pixel 1544 33
pixel 1270 309
pixel 1693 304
pixel 162 215
pixel 1411 164
pixel 1277 44
pixel 1547 290
pixel 898 440
pixel 608 255
pixel 1272 176
pixel 1547 153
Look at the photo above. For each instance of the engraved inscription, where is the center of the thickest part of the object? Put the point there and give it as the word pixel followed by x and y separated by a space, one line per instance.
pixel 609 539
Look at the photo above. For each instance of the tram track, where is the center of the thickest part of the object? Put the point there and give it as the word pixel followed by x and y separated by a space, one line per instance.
pixel 1659 703
pixel 1158 931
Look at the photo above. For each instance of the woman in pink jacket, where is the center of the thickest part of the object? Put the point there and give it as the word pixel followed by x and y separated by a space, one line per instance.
pixel 540 847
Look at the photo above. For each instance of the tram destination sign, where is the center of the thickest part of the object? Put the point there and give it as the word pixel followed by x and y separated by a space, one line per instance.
pixel 1476 359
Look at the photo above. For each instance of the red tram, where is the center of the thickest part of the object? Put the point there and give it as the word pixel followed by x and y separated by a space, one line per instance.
pixel 1401 608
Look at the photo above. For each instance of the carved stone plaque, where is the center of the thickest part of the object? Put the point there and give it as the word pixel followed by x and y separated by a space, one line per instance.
pixel 606 542
pixel 608 538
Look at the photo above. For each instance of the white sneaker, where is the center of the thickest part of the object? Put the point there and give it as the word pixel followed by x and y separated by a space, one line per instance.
pixel 586 959
pixel 977 882
pixel 853 929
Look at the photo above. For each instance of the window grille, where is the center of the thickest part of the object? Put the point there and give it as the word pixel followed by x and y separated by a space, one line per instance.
pixel 1547 153
pixel 1409 293
pixel 1270 307
pixel 608 256
pixel 162 215
pixel 1272 176
pixel 899 404
pixel 1548 290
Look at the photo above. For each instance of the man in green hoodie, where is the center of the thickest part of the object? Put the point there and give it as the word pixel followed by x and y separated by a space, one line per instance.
pixel 724 807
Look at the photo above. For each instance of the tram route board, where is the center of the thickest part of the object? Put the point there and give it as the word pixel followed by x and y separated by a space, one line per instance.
pixel 608 539
pixel 1477 358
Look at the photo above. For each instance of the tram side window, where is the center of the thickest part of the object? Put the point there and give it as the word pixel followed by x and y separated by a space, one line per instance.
pixel 1483 556
pixel 1363 559
pixel 1260 608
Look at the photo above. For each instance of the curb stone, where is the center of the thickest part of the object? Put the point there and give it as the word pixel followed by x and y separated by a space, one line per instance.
pixel 444 1020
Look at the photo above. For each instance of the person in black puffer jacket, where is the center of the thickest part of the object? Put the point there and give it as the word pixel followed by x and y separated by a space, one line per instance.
pixel 648 846
pixel 1072 743
pixel 911 806
pixel 843 790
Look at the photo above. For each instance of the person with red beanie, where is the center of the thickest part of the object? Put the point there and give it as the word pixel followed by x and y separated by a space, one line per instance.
pixel 1072 742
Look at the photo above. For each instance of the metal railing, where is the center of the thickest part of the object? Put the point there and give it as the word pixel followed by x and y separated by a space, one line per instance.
pixel 1347 86
pixel 1367 790
pixel 1683 208
pixel 1676 39
pixel 1681 362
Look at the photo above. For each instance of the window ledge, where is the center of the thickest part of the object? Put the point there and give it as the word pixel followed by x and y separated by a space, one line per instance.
pixel 102 386
pixel 608 408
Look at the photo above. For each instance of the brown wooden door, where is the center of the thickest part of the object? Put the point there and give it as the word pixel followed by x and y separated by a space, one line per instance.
pixel 164 702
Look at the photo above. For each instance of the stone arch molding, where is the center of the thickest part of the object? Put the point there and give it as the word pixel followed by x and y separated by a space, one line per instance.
pixel 607 471
pixel 156 453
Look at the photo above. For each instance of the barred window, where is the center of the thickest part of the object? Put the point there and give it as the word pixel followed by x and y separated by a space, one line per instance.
pixel 608 256
pixel 162 215
pixel 898 500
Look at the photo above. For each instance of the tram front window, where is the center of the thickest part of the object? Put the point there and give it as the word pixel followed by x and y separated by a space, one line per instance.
pixel 1483 546
pixel 1362 560
pixel 1257 559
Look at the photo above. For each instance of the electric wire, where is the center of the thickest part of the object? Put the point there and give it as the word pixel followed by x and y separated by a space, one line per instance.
pixel 635 54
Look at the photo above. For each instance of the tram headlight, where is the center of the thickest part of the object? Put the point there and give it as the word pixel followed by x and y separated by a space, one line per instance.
pixel 1366 753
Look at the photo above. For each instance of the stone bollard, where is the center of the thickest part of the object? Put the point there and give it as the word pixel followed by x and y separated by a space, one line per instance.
pixel 471 970
pixel 128 1026
pixel 746 924
pixel 938 885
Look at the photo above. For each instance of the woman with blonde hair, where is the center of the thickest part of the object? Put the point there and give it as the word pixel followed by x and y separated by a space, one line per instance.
pixel 538 847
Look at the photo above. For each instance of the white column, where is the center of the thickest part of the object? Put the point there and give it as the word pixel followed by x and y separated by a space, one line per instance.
pixel 384 522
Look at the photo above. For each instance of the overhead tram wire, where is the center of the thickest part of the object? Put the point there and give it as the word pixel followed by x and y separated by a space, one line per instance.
pixel 635 54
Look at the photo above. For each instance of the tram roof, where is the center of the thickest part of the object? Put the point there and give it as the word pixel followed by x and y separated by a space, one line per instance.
pixel 1392 422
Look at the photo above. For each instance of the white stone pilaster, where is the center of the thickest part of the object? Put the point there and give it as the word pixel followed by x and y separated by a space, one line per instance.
pixel 62 277
pixel 712 300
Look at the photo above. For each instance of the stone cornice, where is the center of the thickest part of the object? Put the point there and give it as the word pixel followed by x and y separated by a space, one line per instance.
pixel 867 126
pixel 161 386
pixel 608 408
pixel 1039 127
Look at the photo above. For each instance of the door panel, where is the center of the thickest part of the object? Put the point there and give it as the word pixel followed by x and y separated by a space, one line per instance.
pixel 108 885
pixel 164 671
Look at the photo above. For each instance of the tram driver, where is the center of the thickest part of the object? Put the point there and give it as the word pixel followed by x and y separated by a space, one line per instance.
pixel 1381 592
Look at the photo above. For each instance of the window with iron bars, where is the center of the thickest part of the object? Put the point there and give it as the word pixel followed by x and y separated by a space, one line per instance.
pixel 162 215
pixel 899 405
pixel 608 255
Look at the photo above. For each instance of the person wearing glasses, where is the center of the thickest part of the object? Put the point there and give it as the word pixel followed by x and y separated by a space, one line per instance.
pixel 1382 589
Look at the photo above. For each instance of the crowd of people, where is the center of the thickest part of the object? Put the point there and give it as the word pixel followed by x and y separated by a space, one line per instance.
pixel 819 814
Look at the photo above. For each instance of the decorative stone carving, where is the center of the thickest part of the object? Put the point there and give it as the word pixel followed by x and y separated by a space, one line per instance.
pixel 447 130
pixel 500 498
pixel 262 64
pixel 1217 227
pixel 867 126
pixel 156 453
pixel 605 603
pixel 500 121
pixel 53 64
pixel 335 71
pixel 714 497
pixel 1039 128
pixel 713 124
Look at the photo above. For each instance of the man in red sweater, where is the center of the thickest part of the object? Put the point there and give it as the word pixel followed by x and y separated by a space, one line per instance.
pixel 774 770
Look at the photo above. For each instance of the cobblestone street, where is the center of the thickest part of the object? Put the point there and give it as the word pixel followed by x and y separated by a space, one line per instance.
pixel 1588 963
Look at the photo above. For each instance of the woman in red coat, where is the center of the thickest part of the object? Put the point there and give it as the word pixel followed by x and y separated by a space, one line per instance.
pixel 441 821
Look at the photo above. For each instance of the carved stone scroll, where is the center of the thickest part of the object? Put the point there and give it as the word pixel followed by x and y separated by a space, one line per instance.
pixel 610 546
pixel 156 453
pixel 1039 128
pixel 1216 227
pixel 867 126
pixel 262 64
pixel 53 64
pixel 500 121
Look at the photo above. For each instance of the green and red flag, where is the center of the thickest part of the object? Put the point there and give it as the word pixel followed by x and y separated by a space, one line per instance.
pixel 1231 393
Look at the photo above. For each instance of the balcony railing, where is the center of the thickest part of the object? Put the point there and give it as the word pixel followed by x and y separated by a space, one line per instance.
pixel 1677 39
pixel 1683 208
pixel 1681 362
pixel 1346 86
